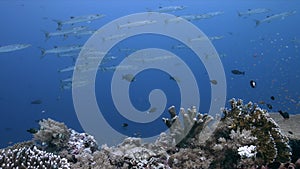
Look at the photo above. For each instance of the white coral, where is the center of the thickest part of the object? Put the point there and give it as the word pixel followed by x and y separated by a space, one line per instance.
pixel 247 151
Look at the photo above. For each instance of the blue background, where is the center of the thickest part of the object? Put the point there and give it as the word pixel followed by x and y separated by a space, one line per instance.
pixel 269 54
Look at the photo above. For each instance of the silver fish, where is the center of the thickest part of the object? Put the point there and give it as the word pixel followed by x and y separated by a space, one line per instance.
pixel 66 54
pixel 85 32
pixel 61 49
pixel 64 33
pixel 128 77
pixel 136 24
pixel 253 11
pixel 67 69
pixel 13 47
pixel 273 17
pixel 202 16
pixel 78 19
pixel 169 8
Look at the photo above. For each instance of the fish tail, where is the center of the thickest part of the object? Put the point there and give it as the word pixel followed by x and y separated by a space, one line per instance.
pixel 43 52
pixel 47 35
pixel 239 14
pixel 59 24
pixel 243 73
pixel 257 22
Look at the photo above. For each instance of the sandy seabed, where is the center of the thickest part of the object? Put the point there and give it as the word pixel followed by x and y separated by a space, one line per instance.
pixel 290 127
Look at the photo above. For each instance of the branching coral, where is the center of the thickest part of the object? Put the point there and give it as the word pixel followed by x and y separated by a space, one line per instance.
pixel 193 124
pixel 31 157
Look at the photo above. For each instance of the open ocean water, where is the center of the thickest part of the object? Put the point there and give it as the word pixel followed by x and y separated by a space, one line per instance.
pixel 259 51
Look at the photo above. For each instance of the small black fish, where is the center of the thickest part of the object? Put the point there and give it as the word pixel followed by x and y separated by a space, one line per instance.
pixel 237 72
pixel 252 83
pixel 269 106
pixel 272 98
pixel 290 132
pixel 38 101
pixel 32 130
pixel 124 125
pixel 285 115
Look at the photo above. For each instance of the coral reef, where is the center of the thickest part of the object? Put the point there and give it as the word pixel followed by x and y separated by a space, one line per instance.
pixel 241 127
pixel 244 137
pixel 193 124
pixel 53 135
pixel 272 145
pixel 31 157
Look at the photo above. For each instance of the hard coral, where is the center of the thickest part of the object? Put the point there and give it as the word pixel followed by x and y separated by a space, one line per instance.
pixel 193 124
pixel 53 134
pixel 271 144
pixel 31 157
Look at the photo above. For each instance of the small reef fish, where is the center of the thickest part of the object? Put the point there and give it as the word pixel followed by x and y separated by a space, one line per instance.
pixel 269 106
pixel 61 49
pixel 78 19
pixel 272 98
pixel 285 115
pixel 13 47
pixel 252 83
pixel 128 77
pixel 32 130
pixel 214 82
pixel 136 24
pixel 38 101
pixel 169 8
pixel 268 19
pixel 64 33
pixel 124 125
pixel 237 72
pixel 253 11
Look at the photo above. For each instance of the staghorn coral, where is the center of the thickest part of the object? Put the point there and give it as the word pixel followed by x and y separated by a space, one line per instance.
pixel 271 144
pixel 193 124
pixel 53 134
pixel 31 157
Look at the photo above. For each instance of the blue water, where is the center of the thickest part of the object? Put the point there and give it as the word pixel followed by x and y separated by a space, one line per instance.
pixel 268 53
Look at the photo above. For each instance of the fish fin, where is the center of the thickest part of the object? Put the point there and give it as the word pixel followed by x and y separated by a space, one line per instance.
pixel 257 22
pixel 59 24
pixel 243 73
pixel 47 35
